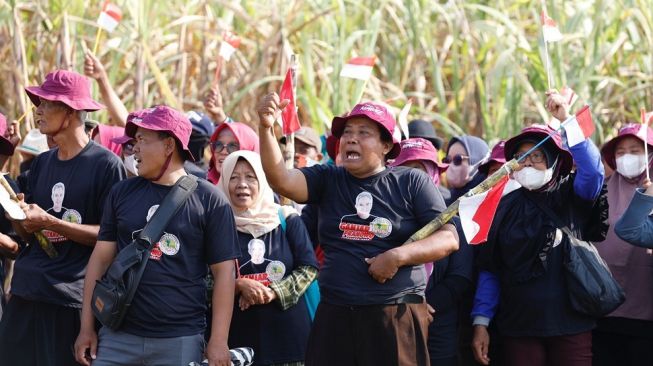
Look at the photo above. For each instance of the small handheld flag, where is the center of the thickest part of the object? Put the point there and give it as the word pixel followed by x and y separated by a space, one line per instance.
pixel 358 68
pixel 229 45
pixel 108 20
pixel 551 33
pixel 289 114
pixel 579 127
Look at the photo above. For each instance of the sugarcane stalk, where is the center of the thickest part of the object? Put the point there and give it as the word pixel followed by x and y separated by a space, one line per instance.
pixel 451 211
pixel 43 241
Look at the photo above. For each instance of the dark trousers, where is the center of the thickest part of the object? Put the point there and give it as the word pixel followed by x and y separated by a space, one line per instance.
pixel 623 342
pixel 38 334
pixel 568 350
pixel 379 335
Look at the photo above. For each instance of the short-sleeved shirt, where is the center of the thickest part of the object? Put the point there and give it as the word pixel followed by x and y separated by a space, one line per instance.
pixel 72 190
pixel 277 336
pixel 170 300
pixel 362 218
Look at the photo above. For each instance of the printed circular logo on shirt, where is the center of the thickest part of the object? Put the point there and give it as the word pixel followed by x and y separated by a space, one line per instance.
pixel 275 270
pixel 381 227
pixel 169 244
pixel 72 216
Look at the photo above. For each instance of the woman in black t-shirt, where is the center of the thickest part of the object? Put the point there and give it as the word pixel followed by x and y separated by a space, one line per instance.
pixel 372 309
pixel 275 268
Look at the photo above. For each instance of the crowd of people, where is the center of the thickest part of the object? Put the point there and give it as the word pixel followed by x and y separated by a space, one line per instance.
pixel 257 245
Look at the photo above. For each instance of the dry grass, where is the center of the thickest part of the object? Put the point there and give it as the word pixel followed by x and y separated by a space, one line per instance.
pixel 473 67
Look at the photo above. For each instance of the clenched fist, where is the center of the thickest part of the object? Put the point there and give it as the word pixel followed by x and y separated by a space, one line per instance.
pixel 269 109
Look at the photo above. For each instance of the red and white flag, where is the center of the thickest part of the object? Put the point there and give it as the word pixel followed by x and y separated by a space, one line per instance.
pixel 477 212
pixel 646 121
pixel 109 17
pixel 550 30
pixel 570 97
pixel 289 114
pixel 230 42
pixel 579 127
pixel 358 68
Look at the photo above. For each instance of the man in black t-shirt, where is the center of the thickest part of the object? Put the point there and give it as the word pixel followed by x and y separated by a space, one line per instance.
pixel 165 323
pixel 42 317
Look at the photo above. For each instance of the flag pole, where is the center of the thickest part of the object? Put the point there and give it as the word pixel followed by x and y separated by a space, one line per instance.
pixel 97 40
pixel 645 126
pixel 489 182
pixel 546 48
pixel 290 139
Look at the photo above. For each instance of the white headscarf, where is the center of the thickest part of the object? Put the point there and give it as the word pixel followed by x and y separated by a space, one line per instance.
pixel 263 216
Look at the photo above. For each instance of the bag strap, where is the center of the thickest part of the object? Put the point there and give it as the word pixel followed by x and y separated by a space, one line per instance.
pixel 182 189
pixel 179 193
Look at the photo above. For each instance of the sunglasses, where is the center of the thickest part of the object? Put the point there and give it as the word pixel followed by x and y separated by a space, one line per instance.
pixel 535 157
pixel 231 147
pixel 456 159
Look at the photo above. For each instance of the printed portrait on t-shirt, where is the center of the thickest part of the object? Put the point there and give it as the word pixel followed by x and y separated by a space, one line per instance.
pixel 260 268
pixel 363 225
pixel 58 210
pixel 168 244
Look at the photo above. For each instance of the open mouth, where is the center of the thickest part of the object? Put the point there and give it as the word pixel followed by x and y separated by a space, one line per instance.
pixel 352 155
pixel 242 195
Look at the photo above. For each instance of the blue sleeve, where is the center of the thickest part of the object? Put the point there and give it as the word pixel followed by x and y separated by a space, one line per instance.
pixel 636 224
pixel 589 170
pixel 486 298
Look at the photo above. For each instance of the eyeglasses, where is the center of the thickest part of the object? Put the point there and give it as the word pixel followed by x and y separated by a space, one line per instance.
pixel 535 157
pixel 456 159
pixel 231 147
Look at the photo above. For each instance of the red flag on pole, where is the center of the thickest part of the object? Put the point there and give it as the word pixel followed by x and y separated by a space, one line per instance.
pixel 289 114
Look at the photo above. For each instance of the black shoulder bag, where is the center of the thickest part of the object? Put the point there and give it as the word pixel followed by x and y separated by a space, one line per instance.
pixel 592 289
pixel 113 294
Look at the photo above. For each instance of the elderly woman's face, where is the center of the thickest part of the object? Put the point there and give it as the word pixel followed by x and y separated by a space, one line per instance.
pixel 536 159
pixel 361 149
pixel 243 186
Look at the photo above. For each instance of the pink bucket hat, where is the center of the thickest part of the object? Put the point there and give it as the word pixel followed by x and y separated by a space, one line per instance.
pixel 6 147
pixel 631 129
pixel 374 112
pixel 417 149
pixel 121 140
pixel 163 118
pixel 70 88
pixel 496 156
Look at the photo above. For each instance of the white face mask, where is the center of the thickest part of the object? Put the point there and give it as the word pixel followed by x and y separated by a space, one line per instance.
pixel 631 165
pixel 532 179
pixel 130 164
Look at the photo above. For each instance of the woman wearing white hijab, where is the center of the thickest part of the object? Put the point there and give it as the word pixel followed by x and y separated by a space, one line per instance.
pixel 276 266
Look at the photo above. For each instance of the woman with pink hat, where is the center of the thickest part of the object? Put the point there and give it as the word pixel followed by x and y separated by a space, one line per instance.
pixel 526 248
pixel 448 278
pixel 624 336
pixel 227 138
pixel 372 309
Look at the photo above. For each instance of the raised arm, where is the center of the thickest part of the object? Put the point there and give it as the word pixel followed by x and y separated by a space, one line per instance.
pixel 288 183
pixel 93 68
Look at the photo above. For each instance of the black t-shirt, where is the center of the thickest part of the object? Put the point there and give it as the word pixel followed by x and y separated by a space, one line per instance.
pixel 362 218
pixel 171 298
pixel 276 335
pixel 73 190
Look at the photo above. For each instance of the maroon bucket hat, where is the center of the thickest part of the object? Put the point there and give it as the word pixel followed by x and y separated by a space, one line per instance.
pixel 538 133
pixel 163 118
pixel 374 112
pixel 416 149
pixel 70 88
pixel 631 129
pixel 6 147
pixel 496 156
pixel 121 140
